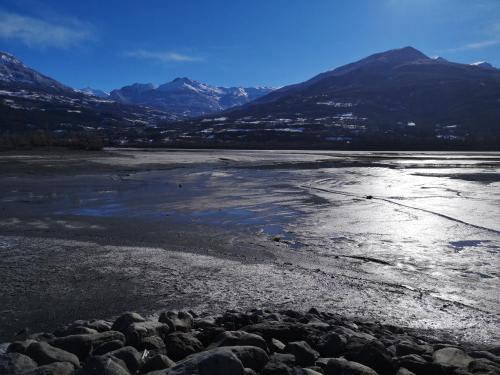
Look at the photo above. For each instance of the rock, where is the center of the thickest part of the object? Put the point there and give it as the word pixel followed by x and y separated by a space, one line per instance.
pixel 82 345
pixel 308 371
pixel 55 368
pixel 251 356
pixel 208 335
pixel 276 346
pixel 409 347
pixel 212 362
pixel 99 325
pixel 121 324
pixel 249 371
pixel 136 332
pixel 204 323
pixel 179 345
pixel 107 347
pixel 332 345
pixel 22 346
pixel 182 320
pixel 374 355
pixel 483 365
pixel 316 369
pixel 479 354
pixel 495 350
pixel 153 343
pixel 101 365
pixel 283 331
pixel 403 371
pixel 451 357
pixel 129 355
pixel 304 354
pixel 418 365
pixel 239 338
pixel 15 363
pixel 276 368
pixel 339 366
pixel 74 330
pixel 157 362
pixel 286 358
pixel 44 354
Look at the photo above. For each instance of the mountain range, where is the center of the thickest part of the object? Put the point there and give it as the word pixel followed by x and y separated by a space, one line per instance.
pixel 185 97
pixel 399 97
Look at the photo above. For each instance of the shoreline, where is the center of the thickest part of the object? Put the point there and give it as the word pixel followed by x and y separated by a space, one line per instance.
pixel 258 341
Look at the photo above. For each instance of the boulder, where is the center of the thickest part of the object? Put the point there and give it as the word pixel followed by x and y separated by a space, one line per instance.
pixel 55 368
pixel 44 354
pixel 286 358
pixel 82 345
pixel 451 357
pixel 182 321
pixel 276 346
pixel 419 365
pixel 154 344
pixel 107 347
pixel 129 355
pixel 374 355
pixel 179 345
pixel 403 371
pixel 276 368
pixel 283 331
pixel 136 332
pixel 102 365
pixel 156 362
pixel 239 338
pixel 483 365
pixel 251 356
pixel 121 324
pixel 304 354
pixel 15 363
pixel 212 362
pixel 409 347
pixel 22 346
pixel 339 366
pixel 332 345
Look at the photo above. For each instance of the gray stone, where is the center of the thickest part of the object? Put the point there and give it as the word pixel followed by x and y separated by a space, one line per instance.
pixel 239 338
pixel 129 355
pixel 15 363
pixel 82 345
pixel 339 366
pixel 107 347
pixel 304 354
pixel 182 320
pixel 55 368
pixel 251 356
pixel 43 354
pixel 101 365
pixel 136 332
pixel 451 357
pixel 179 345
pixel 121 324
pixel 212 362
pixel 157 362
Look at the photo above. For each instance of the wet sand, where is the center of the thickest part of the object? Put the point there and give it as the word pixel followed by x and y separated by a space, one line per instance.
pixel 86 235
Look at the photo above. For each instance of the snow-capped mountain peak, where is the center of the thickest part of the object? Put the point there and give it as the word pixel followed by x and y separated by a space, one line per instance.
pixel 188 97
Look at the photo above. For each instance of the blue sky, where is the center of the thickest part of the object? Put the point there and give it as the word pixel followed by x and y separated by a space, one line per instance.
pixel 110 43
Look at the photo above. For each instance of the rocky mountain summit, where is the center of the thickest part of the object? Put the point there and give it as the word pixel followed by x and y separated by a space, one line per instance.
pixel 185 97
pixel 242 343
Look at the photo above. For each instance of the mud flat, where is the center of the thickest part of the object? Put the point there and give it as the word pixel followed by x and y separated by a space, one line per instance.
pixel 406 239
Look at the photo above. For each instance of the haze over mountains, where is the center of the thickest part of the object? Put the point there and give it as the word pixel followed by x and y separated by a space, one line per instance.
pixel 400 96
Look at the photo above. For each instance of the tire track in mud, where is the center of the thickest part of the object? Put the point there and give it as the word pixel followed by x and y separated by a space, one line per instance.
pixel 361 197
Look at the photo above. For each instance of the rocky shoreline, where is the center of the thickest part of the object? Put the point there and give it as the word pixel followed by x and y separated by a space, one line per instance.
pixel 237 343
